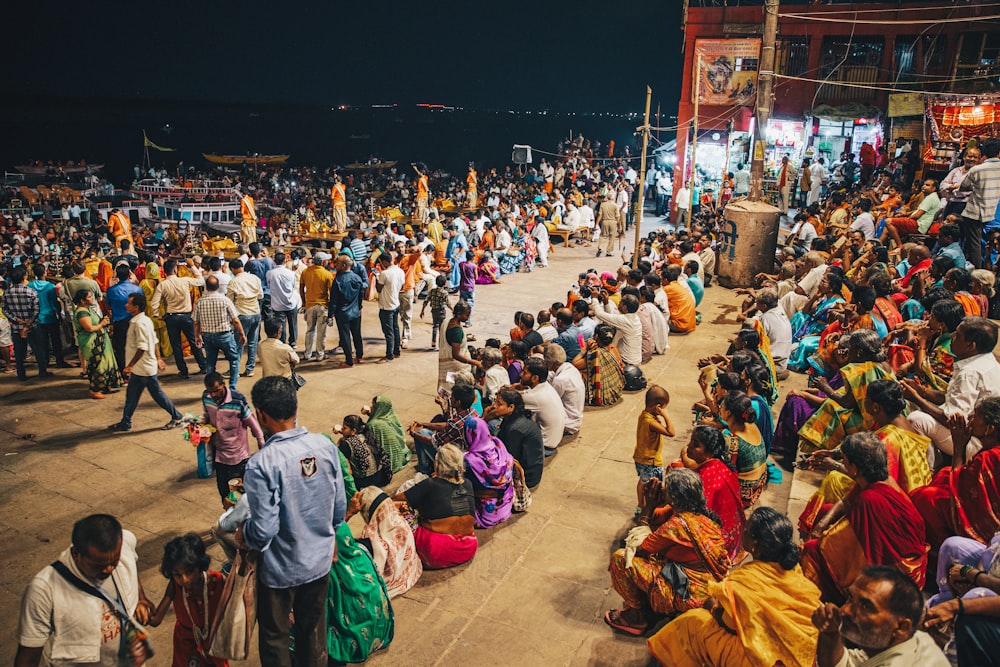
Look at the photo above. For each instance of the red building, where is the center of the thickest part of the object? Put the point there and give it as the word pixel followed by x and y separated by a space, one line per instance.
pixel 824 119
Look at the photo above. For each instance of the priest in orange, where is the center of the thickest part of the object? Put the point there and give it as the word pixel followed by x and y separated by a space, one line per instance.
pixel 248 212
pixel 472 187
pixel 339 194
pixel 423 193
pixel 120 227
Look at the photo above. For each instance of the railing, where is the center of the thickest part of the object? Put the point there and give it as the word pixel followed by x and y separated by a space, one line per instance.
pixel 850 74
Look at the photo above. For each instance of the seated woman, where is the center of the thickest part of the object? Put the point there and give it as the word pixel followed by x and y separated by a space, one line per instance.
pixel 809 322
pixel 671 569
pixel 445 507
pixel 875 524
pixel 758 615
pixel 491 470
pixel 389 538
pixel 707 453
pixel 602 368
pixel 756 382
pixel 958 281
pixel 963 498
pixel 520 434
pixel 747 451
pixel 927 356
pixel 369 462
pixel 906 454
pixel 388 432
pixel 488 271
pixel 843 411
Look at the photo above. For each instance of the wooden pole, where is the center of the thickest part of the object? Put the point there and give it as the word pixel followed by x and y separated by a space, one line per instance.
pixel 765 76
pixel 694 140
pixel 639 193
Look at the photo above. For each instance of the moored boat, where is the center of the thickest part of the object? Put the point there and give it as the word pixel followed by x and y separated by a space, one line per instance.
pixel 245 159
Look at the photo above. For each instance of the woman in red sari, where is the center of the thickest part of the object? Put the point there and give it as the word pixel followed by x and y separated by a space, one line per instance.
pixel 964 499
pixel 875 524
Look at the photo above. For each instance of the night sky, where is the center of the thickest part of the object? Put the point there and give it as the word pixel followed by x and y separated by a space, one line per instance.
pixel 514 54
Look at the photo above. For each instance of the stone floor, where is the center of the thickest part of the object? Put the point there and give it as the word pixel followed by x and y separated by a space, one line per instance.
pixel 536 590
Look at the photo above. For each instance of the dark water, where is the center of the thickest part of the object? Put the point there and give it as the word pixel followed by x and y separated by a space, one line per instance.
pixel 111 133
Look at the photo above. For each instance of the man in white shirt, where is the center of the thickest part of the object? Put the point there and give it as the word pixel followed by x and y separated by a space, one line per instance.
pixel 285 298
pixel 817 173
pixel 565 378
pixel 543 402
pixel 741 181
pixel 626 320
pixel 976 375
pixel 865 223
pixel 683 202
pixel 777 327
pixel 247 293
pixel 389 283
pixel 815 266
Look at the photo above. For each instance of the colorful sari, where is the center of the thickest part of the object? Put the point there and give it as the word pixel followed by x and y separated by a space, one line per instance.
pixel 963 501
pixel 359 615
pixel 890 313
pixel 831 423
pixel 691 541
pixel 605 377
pixel 770 609
pixel 764 421
pixel 492 474
pixel 95 346
pixel 764 349
pixel 391 542
pixel 722 495
pixel 806 330
pixel 881 526
pixel 488 273
pixel 750 461
pixel 388 432
pixel 969 304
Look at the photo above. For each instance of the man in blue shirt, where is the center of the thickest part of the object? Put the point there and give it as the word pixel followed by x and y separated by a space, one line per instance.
pixel 48 313
pixel 117 297
pixel 297 499
pixel 259 264
pixel 346 293
pixel 949 245
pixel 569 333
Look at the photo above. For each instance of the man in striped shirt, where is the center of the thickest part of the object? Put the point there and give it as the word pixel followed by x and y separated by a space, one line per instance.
pixel 983 184
pixel 215 319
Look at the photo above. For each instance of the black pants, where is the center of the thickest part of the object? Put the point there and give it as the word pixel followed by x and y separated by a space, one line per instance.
pixel 977 639
pixel 38 344
pixel 972 240
pixel 54 337
pixel 119 334
pixel 136 384
pixel 390 329
pixel 178 323
pixel 349 329
pixel 225 472
pixel 308 602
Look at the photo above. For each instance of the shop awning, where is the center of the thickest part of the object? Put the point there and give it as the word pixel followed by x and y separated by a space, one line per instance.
pixel 845 112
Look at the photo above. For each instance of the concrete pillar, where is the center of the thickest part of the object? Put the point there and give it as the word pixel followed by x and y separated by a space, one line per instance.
pixel 747 242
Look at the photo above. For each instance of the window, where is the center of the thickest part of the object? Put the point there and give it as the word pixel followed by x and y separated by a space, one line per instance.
pixel 793 56
pixel 843 53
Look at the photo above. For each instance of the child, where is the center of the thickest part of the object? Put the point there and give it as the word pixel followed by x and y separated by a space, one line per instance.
pixel 194 591
pixel 467 272
pixel 654 423
pixel 438 300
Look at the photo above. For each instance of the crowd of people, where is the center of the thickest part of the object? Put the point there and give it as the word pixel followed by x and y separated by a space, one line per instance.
pixel 902 411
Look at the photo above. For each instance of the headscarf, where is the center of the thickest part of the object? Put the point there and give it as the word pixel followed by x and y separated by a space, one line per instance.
pixel 153 271
pixel 393 548
pixel 388 431
pixel 487 457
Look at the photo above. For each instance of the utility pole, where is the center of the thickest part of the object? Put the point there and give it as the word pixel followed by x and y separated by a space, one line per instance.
pixel 765 78
pixel 694 139
pixel 640 188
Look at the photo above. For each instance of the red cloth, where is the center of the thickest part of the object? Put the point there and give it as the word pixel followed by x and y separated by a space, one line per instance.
pixel 186 651
pixel 962 501
pixel 438 551
pixel 866 155
pixel 889 528
pixel 722 493
pixel 914 270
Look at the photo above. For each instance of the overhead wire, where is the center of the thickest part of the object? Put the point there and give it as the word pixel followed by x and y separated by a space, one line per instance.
pixel 830 19
pixel 872 86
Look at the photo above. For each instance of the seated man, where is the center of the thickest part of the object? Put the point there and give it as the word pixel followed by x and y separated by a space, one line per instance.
pixel 881 621
pixel 916 221
pixel 542 400
pixel 429 436
pixel 950 245
pixel 680 301
pixel 565 378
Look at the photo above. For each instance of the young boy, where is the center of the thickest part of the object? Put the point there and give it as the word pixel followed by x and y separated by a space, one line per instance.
pixel 654 424
pixel 467 272
pixel 438 300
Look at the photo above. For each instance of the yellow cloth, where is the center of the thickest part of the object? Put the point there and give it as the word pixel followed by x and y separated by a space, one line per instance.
pixel 317 282
pixel 770 609
pixel 914 471
pixel 648 441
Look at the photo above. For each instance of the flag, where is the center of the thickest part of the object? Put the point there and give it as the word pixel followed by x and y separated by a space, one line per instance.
pixel 149 144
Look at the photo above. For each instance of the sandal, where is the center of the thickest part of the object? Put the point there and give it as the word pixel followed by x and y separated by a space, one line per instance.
pixel 613 617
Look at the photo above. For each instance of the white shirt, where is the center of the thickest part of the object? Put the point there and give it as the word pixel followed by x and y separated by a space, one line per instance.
pixel 547 411
pixel 547 331
pixel 281 283
pixel 568 383
pixel 141 336
pixel 683 199
pixel 572 219
pixel 389 283
pixel 496 379
pixel 779 331
pixel 865 224
pixel 586 216
pixel 810 281
pixel 223 278
pixel 629 339
pixel 973 378
pixel 661 327
pixel 919 649
pixel 818 173
pixel 806 232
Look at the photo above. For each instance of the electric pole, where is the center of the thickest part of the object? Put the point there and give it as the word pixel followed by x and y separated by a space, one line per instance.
pixel 765 78
pixel 639 193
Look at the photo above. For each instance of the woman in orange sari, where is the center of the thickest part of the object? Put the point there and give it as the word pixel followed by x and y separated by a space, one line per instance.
pixel 875 524
pixel 959 282
pixel 670 570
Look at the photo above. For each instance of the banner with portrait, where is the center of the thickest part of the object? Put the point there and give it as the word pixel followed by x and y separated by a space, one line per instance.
pixel 728 71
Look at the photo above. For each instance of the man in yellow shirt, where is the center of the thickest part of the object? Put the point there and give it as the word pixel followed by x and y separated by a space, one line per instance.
pixel 315 284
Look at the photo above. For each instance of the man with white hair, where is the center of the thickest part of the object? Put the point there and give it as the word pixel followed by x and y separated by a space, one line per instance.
pixel 565 378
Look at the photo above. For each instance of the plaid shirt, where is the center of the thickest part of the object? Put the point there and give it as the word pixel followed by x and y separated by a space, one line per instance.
pixel 215 313
pixel 983 181
pixel 20 302
pixel 454 432
pixel 437 299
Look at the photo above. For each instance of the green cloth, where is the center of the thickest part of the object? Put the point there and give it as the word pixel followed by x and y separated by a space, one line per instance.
pixel 388 431
pixel 359 615
pixel 95 348
pixel 350 488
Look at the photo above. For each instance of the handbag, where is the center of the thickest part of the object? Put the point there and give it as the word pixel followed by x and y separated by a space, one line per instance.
pixel 231 634
pixel 206 456
pixel 298 380
pixel 522 494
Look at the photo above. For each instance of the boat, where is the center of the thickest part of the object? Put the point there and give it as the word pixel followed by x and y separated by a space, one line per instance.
pixel 220 216
pixel 245 159
pixel 363 166
pixel 53 169
pixel 192 190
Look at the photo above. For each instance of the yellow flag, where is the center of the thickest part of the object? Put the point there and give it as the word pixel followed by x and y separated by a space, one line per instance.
pixel 146 142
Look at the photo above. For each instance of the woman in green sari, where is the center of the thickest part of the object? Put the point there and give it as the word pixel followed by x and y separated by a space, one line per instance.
pixel 844 413
pixel 95 345
pixel 388 431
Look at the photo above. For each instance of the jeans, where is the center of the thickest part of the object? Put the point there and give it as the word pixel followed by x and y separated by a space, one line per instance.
pixel 425 452
pixel 36 338
pixel 290 325
pixel 133 390
pixel 308 602
pixel 54 339
pixel 178 323
pixel 315 331
pixel 251 327
pixel 405 313
pixel 225 343
pixel 470 298
pixel 972 240
pixel 390 328
pixel 119 334
pixel 348 329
